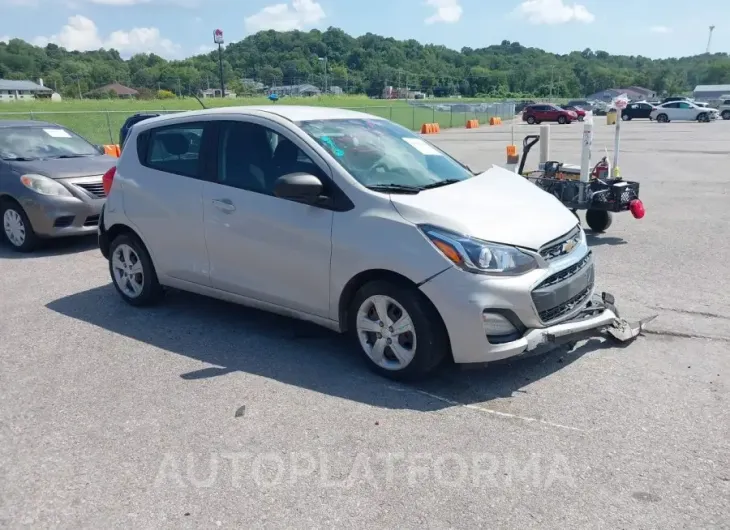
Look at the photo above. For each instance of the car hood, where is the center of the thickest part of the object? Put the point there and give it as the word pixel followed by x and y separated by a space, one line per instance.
pixel 497 205
pixel 61 168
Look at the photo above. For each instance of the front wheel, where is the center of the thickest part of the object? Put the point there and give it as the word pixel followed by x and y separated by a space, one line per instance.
pixel 531 120
pixel 703 117
pixel 17 228
pixel 562 120
pixel 599 220
pixel 398 330
pixel 132 271
pixel 625 117
pixel 726 114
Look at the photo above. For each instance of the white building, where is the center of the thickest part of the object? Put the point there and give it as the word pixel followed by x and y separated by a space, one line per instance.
pixel 11 90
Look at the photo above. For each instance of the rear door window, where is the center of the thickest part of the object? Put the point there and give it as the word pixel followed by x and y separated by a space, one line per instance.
pixel 176 149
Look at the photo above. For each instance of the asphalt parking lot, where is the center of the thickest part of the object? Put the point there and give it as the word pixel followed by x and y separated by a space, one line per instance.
pixel 119 417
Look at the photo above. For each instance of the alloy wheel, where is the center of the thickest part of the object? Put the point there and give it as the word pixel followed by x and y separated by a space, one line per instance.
pixel 386 332
pixel 128 271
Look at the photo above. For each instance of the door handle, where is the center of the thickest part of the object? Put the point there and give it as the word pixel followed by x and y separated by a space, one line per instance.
pixel 224 205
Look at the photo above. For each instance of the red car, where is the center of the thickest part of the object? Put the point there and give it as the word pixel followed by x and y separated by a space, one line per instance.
pixel 547 112
pixel 579 111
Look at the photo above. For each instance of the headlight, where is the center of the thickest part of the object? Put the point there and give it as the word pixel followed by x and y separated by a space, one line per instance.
pixel 478 256
pixel 44 185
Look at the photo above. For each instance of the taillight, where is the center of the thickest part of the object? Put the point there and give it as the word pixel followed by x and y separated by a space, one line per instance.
pixel 108 179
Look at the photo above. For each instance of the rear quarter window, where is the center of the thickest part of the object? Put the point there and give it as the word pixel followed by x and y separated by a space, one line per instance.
pixel 173 149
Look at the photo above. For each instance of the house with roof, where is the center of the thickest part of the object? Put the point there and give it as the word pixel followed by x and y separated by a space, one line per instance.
pixel 710 92
pixel 117 89
pixel 295 90
pixel 12 90
pixel 633 93
pixel 216 93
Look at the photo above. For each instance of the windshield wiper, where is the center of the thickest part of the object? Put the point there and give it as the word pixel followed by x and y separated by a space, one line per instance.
pixel 69 156
pixel 395 188
pixel 441 183
pixel 19 159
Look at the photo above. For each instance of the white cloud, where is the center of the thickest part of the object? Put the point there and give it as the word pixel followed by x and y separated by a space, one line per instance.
pixel 5 38
pixel 82 34
pixel 448 11
pixel 660 29
pixel 553 12
pixel 284 17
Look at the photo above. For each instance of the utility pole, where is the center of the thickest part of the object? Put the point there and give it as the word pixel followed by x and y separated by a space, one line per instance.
pixel 324 59
pixel 709 39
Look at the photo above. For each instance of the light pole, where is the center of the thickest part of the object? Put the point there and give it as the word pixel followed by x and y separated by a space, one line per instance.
pixel 218 39
pixel 324 59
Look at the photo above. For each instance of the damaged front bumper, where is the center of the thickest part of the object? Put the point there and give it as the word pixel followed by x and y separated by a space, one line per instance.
pixel 599 319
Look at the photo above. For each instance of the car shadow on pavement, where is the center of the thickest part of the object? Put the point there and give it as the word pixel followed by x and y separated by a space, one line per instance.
pixel 600 240
pixel 51 247
pixel 232 338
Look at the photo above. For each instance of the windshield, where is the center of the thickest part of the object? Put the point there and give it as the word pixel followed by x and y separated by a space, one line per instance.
pixel 379 153
pixel 29 143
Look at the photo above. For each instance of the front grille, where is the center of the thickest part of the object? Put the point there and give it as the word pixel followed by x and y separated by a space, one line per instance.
pixel 565 273
pixel 557 249
pixel 95 189
pixel 567 306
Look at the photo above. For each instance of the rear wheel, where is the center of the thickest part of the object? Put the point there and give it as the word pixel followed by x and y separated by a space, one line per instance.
pixel 599 220
pixel 662 118
pixel 16 227
pixel 562 120
pixel 726 114
pixel 132 271
pixel 625 117
pixel 398 330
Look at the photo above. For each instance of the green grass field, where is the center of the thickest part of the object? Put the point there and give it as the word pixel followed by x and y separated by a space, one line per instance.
pixel 99 120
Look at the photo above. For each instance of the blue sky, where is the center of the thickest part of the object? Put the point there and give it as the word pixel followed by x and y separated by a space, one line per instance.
pixel 178 28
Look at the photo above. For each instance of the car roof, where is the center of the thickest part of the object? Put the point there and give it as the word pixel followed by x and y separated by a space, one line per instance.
pixel 294 113
pixel 6 124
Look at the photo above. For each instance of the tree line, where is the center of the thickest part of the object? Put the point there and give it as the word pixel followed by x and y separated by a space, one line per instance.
pixel 362 65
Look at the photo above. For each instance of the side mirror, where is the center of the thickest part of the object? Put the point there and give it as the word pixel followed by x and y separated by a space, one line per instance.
pixel 299 187
pixel 100 148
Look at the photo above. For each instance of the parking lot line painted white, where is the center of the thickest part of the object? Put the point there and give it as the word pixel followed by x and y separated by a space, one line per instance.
pixel 486 410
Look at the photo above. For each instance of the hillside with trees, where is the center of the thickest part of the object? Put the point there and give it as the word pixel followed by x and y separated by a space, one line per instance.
pixel 363 65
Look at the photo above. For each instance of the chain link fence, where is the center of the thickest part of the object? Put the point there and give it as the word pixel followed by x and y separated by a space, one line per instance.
pixel 102 127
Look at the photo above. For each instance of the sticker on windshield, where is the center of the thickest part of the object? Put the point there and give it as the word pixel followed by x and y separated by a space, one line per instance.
pixel 422 146
pixel 57 133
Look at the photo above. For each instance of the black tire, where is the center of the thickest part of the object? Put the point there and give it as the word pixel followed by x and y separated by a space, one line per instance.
pixel 151 289
pixel 703 117
pixel 562 120
pixel 531 120
pixel 31 241
pixel 725 114
pixel 431 339
pixel 599 220
pixel 662 118
pixel 580 118
pixel 625 117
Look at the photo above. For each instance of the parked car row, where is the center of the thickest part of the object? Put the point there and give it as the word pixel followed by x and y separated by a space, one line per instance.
pixel 306 212
pixel 50 182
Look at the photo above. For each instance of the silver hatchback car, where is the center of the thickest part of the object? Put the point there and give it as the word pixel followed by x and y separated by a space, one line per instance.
pixel 352 222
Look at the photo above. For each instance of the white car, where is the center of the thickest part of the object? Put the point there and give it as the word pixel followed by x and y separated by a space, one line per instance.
pixel 352 222
pixel 683 111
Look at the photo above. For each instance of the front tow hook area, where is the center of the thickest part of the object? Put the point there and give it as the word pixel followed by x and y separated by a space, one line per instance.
pixel 619 329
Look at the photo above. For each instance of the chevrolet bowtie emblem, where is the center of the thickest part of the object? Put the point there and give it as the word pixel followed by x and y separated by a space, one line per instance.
pixel 569 245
